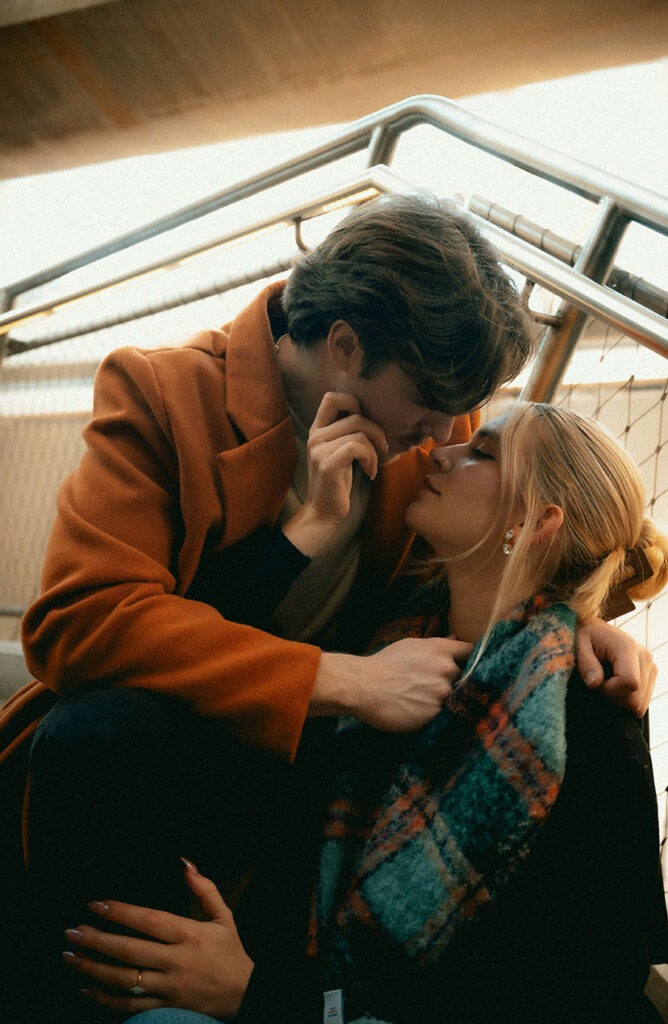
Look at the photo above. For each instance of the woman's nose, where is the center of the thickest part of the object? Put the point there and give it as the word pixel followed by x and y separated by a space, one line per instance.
pixel 442 457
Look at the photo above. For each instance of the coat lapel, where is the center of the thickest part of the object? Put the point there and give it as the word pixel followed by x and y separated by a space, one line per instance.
pixel 255 397
pixel 255 476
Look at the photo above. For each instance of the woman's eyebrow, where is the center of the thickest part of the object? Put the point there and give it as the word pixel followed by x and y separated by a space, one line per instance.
pixel 484 433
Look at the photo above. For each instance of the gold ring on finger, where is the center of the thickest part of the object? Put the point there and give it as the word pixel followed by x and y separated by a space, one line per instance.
pixel 137 989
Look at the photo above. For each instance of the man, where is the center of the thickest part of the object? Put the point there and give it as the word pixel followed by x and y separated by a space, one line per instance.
pixel 199 469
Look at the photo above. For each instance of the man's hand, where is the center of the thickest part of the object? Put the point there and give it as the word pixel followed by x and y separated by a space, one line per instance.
pixel 339 437
pixel 631 683
pixel 399 689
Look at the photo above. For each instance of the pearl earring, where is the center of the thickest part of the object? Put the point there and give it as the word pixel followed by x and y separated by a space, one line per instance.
pixel 507 537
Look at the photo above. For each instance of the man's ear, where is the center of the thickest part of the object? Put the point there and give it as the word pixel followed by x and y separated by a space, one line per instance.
pixel 344 349
pixel 550 521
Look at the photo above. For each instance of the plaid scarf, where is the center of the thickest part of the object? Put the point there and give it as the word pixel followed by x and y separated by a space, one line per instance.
pixel 423 830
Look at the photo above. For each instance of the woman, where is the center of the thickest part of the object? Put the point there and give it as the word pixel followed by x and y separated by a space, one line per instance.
pixel 501 864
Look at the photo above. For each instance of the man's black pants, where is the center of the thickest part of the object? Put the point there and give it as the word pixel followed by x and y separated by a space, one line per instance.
pixel 125 782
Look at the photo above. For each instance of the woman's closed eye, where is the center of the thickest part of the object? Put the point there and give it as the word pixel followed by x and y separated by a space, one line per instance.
pixel 480 453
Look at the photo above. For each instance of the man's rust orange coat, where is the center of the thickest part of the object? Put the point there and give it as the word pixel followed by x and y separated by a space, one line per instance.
pixel 189 450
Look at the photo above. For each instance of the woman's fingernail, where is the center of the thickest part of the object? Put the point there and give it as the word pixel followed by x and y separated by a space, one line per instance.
pixel 189 864
pixel 591 678
pixel 74 934
pixel 71 958
pixel 98 907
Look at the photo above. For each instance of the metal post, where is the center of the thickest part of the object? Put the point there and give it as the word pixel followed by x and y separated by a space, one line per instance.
pixel 595 261
pixel 5 305
pixel 382 145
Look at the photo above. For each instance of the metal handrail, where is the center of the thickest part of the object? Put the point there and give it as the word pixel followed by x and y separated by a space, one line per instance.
pixel 589 296
pixel 376 180
pixel 592 298
pixel 619 202
pixel 379 133
pixel 229 283
pixel 631 285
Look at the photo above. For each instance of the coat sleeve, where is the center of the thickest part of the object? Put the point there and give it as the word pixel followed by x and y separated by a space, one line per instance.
pixel 113 610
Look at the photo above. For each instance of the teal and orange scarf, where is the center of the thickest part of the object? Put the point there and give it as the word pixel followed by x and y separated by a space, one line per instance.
pixel 422 831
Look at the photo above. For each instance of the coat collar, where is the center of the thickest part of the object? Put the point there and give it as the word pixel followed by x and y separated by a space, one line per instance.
pixel 255 399
pixel 256 474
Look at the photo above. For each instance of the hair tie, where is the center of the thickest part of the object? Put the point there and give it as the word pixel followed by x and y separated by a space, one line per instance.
pixel 618 601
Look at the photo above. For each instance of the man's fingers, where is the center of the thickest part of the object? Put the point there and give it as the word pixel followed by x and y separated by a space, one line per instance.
pixel 354 449
pixel 338 415
pixel 408 681
pixel 334 404
pixel 350 426
pixel 447 687
pixel 632 693
pixel 632 669
pixel 589 667
pixel 458 650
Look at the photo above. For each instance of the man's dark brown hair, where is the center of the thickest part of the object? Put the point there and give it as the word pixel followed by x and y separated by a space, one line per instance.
pixel 421 287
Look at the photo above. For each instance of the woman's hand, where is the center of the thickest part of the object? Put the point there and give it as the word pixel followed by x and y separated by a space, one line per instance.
pixel 339 437
pixel 631 682
pixel 195 965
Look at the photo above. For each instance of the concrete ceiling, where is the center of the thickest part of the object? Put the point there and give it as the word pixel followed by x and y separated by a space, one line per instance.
pixel 85 81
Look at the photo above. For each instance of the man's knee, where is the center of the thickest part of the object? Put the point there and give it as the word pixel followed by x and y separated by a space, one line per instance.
pixel 106 715
pixel 100 746
pixel 104 783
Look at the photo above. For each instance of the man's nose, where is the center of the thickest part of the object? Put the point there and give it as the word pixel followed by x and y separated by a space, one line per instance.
pixel 440 427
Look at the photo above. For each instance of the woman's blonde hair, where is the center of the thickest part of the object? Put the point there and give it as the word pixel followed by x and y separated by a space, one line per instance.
pixel 551 455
